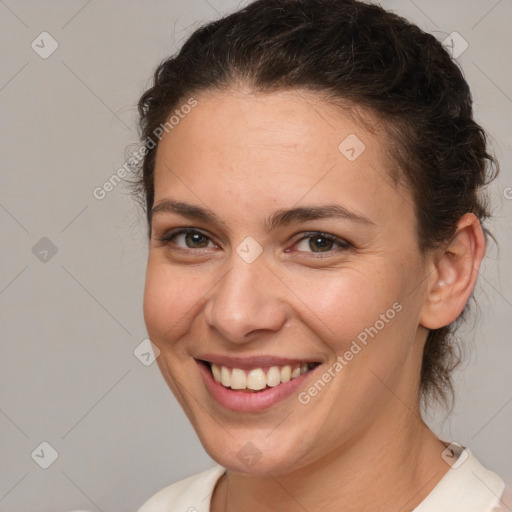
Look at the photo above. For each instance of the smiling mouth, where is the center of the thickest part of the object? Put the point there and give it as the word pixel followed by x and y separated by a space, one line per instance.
pixel 257 379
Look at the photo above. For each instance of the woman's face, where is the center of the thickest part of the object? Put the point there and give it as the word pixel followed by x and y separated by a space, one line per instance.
pixel 343 287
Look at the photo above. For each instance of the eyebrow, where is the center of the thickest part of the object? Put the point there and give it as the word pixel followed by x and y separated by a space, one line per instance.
pixel 279 218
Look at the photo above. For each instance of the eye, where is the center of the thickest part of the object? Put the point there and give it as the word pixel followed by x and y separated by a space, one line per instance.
pixel 313 242
pixel 186 238
pixel 318 242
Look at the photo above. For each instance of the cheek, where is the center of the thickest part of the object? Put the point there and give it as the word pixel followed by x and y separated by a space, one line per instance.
pixel 172 297
pixel 347 302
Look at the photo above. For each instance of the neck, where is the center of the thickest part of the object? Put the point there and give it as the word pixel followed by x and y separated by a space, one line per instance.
pixel 392 466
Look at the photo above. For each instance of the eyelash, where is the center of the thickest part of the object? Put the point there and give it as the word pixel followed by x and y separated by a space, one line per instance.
pixel 342 244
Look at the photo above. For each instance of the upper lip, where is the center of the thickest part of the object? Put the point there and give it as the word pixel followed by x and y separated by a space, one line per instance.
pixel 246 363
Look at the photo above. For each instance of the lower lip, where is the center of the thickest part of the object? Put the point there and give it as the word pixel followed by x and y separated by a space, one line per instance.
pixel 250 402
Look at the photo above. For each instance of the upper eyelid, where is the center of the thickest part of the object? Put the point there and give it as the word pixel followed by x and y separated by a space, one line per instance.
pixel 178 231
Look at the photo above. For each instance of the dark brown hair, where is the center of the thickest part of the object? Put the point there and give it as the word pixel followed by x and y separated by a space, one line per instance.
pixel 361 55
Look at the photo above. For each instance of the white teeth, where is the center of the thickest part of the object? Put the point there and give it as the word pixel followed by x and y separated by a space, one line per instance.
pixel 273 376
pixel 238 379
pixel 225 376
pixel 256 379
pixel 286 373
pixel 216 372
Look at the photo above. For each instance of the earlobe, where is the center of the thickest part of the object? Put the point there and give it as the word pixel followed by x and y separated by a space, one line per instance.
pixel 455 272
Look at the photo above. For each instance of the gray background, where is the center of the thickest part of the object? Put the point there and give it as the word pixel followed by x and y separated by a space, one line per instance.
pixel 70 321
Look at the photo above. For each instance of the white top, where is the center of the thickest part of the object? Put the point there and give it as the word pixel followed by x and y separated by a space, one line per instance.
pixel 466 487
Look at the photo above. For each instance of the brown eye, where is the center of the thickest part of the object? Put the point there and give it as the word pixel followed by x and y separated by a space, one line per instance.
pixel 193 240
pixel 186 239
pixel 321 243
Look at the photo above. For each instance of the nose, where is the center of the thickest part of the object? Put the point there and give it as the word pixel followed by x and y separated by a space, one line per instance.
pixel 246 300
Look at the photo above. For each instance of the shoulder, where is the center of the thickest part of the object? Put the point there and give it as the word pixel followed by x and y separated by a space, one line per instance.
pixel 467 486
pixel 191 494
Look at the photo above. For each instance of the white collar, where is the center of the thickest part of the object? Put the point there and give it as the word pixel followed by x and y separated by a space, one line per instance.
pixel 466 487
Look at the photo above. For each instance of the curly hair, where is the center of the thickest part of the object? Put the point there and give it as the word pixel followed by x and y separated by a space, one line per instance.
pixel 354 54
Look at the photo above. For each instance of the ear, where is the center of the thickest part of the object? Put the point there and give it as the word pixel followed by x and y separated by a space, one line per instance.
pixel 455 270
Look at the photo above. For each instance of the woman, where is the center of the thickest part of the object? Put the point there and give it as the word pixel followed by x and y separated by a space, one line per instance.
pixel 312 179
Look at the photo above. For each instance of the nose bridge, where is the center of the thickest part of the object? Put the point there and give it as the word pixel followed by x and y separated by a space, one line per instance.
pixel 244 300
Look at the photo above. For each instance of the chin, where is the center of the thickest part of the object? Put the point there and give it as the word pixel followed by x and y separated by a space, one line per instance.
pixel 258 456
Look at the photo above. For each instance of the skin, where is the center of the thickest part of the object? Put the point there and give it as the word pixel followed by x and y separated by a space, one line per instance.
pixel 360 444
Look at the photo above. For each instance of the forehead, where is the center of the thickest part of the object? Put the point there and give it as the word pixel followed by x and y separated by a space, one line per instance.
pixel 263 150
